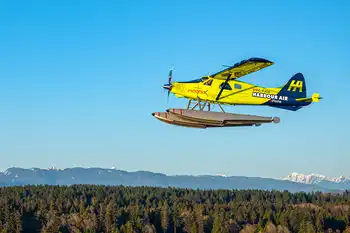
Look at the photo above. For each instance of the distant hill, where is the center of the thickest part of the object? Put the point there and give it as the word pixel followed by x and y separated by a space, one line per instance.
pixel 100 176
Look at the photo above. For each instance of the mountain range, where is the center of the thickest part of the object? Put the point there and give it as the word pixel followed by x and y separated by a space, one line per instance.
pixel 294 182
pixel 340 182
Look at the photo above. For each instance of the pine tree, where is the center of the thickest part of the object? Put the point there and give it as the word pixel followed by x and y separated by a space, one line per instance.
pixel 194 228
pixel 217 223
pixel 199 219
pixel 302 227
pixel 110 216
pixel 175 218
pixel 129 228
pixel 164 216
pixel 309 228
pixel 123 228
pixel 18 222
pixel 270 227
pixel 252 217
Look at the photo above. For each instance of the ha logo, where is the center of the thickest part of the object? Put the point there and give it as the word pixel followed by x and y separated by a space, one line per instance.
pixel 296 85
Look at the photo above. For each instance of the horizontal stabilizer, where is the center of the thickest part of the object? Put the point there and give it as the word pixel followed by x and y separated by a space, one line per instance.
pixel 314 98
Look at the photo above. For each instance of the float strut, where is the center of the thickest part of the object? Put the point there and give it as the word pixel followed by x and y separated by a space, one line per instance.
pixel 189 103
pixel 221 108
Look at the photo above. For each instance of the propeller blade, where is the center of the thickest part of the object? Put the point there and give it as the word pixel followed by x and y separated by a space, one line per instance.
pixel 170 76
pixel 168 85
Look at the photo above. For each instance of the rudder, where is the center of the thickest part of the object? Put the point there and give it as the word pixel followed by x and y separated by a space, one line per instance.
pixel 295 87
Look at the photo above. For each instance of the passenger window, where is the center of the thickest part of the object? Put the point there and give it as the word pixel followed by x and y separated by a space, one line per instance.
pixel 238 86
pixel 208 83
pixel 227 87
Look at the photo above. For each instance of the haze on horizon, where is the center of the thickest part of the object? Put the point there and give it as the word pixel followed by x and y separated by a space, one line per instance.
pixel 79 81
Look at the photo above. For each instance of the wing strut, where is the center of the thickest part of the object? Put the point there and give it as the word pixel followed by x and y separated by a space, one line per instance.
pixel 226 81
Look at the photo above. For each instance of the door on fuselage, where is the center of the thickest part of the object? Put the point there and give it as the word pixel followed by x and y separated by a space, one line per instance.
pixel 206 89
pixel 210 89
pixel 227 90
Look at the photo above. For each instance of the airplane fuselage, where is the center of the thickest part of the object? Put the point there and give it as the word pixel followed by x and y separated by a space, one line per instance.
pixel 242 93
pixel 234 93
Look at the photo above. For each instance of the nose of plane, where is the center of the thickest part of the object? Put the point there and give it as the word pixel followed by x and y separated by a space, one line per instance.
pixel 167 86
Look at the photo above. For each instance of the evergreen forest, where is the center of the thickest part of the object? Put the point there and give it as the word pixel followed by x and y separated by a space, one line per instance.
pixel 92 208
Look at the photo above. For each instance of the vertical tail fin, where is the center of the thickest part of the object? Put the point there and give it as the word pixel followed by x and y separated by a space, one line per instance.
pixel 295 87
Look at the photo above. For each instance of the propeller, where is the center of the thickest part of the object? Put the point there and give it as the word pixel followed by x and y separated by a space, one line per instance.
pixel 169 81
pixel 168 85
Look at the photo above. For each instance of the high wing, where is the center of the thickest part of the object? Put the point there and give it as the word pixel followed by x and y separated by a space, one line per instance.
pixel 242 68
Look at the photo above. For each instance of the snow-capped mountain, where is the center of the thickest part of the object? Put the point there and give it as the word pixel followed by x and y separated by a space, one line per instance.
pixel 314 178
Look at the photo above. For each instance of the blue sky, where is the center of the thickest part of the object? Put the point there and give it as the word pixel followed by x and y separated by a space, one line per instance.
pixel 80 79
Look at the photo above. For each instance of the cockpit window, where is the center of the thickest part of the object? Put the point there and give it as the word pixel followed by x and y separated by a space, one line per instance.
pixel 238 86
pixel 208 82
pixel 227 86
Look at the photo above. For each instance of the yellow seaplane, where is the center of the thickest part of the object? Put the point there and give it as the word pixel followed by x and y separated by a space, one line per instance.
pixel 224 88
